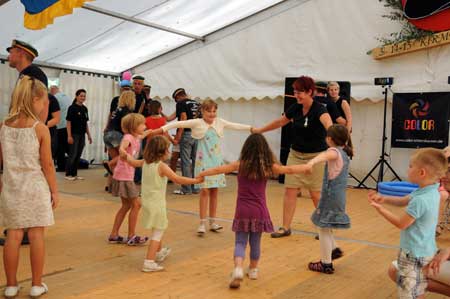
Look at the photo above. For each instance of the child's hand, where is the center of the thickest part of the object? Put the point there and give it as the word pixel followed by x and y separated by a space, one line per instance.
pixel 434 266
pixel 255 130
pixel 375 205
pixel 308 168
pixel 199 179
pixel 375 197
pixel 55 200
pixel 123 154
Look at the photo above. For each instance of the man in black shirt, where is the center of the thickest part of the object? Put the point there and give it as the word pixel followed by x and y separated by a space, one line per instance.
pixel 186 109
pixel 53 118
pixel 138 86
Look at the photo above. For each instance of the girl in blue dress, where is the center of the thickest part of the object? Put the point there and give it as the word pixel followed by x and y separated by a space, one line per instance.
pixel 330 213
pixel 208 130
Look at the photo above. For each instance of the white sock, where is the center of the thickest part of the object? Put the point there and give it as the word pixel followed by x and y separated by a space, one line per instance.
pixel 203 221
pixel 326 245
pixel 211 221
pixel 148 261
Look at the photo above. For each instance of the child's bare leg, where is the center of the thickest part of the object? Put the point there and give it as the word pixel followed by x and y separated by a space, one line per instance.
pixel 213 194
pixel 133 216
pixel 153 248
pixel 204 195
pixel 120 216
pixel 11 255
pixel 37 254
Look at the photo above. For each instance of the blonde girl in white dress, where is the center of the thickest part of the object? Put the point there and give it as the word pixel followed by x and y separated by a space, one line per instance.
pixel 28 187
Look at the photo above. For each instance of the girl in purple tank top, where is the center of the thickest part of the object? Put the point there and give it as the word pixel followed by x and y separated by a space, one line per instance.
pixel 256 165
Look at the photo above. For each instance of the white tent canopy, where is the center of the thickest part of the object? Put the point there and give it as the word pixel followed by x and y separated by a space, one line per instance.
pixel 249 48
pixel 87 39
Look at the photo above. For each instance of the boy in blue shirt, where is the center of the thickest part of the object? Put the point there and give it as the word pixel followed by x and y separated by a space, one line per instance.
pixel 418 222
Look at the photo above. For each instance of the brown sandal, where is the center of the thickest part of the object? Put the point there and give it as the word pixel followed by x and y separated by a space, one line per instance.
pixel 321 267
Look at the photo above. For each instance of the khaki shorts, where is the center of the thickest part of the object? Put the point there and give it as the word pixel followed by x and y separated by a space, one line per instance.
pixel 312 182
pixel 125 189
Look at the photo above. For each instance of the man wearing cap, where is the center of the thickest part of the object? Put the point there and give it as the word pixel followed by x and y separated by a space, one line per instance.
pixel 21 56
pixel 321 97
pixel 185 109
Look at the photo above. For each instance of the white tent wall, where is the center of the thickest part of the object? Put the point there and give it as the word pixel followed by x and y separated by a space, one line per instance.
pixel 325 39
pixel 99 92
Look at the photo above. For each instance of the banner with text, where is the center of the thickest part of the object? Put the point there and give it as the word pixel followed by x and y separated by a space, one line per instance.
pixel 420 120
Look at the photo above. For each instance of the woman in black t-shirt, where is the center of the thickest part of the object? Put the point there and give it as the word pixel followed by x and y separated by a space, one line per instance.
pixel 310 120
pixel 343 106
pixel 77 126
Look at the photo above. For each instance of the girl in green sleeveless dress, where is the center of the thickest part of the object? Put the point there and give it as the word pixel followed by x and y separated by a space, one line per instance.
pixel 153 196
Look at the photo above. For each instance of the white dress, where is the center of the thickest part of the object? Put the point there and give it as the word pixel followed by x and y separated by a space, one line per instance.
pixel 25 200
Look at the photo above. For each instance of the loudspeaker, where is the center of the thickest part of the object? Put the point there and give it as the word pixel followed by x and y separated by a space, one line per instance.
pixel 286 131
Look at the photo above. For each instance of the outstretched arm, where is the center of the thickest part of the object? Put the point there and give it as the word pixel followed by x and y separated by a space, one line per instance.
pixel 328 155
pixel 279 169
pixel 130 160
pixel 277 123
pixel 391 200
pixel 402 221
pixel 164 170
pixel 220 169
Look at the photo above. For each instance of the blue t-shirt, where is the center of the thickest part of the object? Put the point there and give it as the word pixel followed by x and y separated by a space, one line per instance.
pixel 64 103
pixel 419 238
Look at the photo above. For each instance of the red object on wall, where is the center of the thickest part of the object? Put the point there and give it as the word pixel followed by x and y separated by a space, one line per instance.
pixel 436 22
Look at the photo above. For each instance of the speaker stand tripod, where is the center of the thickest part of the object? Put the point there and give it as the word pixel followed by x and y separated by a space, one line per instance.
pixel 382 160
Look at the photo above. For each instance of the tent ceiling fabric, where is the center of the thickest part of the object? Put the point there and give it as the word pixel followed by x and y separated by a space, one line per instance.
pixel 94 41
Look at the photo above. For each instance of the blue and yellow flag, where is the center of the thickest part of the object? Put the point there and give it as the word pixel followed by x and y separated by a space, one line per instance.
pixel 40 13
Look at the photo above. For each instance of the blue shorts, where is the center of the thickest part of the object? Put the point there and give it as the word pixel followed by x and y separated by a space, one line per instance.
pixel 112 139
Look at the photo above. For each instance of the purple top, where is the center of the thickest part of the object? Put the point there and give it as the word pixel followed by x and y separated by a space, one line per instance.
pixel 251 213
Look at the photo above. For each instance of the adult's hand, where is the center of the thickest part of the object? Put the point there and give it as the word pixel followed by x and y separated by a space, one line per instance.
pixel 69 140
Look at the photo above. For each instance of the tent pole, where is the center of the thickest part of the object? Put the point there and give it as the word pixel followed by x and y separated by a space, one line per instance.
pixel 3 2
pixel 141 22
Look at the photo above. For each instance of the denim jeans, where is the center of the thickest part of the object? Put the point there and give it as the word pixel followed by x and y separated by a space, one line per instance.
pixel 188 150
pixel 75 151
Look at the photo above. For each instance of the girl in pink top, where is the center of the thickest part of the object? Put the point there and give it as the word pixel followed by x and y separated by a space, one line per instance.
pixel 133 126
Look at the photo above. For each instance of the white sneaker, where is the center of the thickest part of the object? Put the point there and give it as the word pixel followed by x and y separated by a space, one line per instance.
pixel 252 273
pixel 236 277
pixel 70 178
pixel 11 292
pixel 38 291
pixel 162 254
pixel 151 266
pixel 201 230
pixel 215 227
pixel 79 178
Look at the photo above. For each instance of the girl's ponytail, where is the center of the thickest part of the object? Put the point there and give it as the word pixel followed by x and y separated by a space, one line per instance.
pixel 348 150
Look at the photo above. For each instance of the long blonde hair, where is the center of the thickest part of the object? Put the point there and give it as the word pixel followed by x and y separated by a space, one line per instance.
pixel 27 88
pixel 127 99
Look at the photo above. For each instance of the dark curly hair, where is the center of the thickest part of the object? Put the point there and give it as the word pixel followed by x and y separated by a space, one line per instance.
pixel 256 159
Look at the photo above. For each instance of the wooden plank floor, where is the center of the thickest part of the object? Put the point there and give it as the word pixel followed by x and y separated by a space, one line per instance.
pixel 81 264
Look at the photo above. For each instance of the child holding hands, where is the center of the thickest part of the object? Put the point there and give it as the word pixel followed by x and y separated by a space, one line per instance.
pixel 154 184
pixel 418 222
